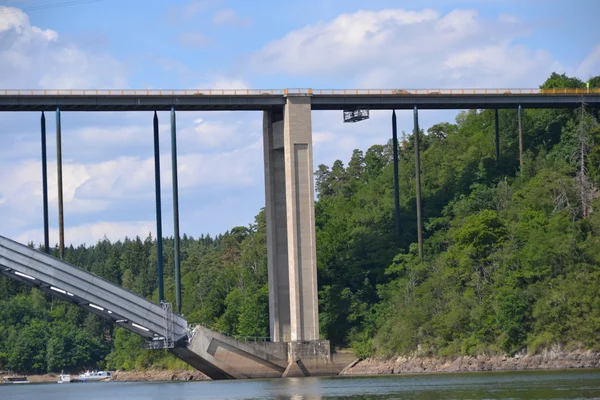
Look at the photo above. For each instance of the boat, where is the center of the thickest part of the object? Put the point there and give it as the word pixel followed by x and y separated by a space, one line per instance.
pixel 64 378
pixel 94 376
pixel 15 379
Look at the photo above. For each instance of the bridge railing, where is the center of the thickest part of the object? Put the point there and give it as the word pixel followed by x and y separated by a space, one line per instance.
pixel 142 92
pixel 280 92
pixel 239 338
pixel 458 92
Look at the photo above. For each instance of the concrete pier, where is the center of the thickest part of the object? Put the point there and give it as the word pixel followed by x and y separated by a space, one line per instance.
pixel 222 357
pixel 291 240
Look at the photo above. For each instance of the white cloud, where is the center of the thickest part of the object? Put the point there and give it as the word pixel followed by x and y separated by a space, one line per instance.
pixel 401 48
pixel 133 177
pixel 329 48
pixel 102 135
pixel 22 187
pixel 322 137
pixel 32 56
pixel 213 134
pixel 89 234
pixel 229 16
pixel 591 65
pixel 90 188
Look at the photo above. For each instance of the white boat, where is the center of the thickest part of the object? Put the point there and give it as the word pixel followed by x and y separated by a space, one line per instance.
pixel 94 376
pixel 64 378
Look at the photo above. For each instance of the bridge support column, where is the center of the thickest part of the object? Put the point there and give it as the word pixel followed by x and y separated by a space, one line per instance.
pixel 45 184
pixel 520 118
pixel 291 239
pixel 175 210
pixel 497 141
pixel 418 182
pixel 61 224
pixel 396 180
pixel 275 207
pixel 159 250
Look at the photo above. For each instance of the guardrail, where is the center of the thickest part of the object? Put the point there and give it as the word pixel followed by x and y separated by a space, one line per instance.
pixel 140 92
pixel 280 92
pixel 346 92
pixel 239 338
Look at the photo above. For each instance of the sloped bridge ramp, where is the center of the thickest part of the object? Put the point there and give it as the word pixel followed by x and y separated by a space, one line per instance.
pixel 155 322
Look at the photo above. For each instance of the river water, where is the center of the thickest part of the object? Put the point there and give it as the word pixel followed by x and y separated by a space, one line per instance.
pixel 571 384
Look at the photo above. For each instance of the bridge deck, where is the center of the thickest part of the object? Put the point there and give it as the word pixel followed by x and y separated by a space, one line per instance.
pixel 333 99
pixel 86 290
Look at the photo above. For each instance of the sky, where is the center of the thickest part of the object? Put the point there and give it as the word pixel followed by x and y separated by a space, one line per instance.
pixel 108 166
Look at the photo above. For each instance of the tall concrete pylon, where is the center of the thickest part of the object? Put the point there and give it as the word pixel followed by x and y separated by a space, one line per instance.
pixel 291 239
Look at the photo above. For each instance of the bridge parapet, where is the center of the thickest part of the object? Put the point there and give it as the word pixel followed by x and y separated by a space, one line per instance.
pixel 301 91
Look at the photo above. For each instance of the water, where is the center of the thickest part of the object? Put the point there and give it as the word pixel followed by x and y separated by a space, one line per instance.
pixel 572 384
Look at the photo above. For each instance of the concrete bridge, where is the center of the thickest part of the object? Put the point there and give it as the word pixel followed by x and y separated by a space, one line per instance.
pixel 295 348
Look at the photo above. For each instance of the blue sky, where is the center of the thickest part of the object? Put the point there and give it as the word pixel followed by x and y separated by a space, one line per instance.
pixel 108 166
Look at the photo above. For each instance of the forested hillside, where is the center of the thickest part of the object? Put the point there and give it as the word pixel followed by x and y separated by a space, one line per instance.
pixel 511 256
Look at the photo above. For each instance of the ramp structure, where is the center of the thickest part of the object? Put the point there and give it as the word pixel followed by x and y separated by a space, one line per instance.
pixel 216 355
pixel 157 323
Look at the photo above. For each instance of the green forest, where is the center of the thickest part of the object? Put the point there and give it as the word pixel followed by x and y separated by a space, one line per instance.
pixel 511 257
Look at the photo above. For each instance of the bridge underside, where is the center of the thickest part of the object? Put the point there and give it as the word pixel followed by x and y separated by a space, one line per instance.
pixel 267 102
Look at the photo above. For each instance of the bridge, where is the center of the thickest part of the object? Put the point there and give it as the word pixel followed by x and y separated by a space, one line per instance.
pixel 265 99
pixel 295 348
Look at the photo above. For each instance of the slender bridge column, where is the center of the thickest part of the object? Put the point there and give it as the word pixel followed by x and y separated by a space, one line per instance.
pixel 59 175
pixel 45 184
pixel 418 182
pixel 520 118
pixel 396 179
pixel 291 239
pixel 159 249
pixel 497 137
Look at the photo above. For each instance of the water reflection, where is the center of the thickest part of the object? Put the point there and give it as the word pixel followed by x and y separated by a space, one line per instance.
pixel 570 384
pixel 296 389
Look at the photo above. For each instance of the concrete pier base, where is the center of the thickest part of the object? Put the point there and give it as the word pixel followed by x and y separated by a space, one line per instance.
pixel 222 357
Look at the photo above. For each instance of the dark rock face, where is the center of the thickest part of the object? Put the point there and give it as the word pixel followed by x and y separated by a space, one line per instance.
pixel 549 359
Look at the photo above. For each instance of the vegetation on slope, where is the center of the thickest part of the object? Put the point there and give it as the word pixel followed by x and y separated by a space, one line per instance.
pixel 511 260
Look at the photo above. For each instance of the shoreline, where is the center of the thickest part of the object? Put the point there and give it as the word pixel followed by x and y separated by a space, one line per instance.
pixel 126 376
pixel 546 360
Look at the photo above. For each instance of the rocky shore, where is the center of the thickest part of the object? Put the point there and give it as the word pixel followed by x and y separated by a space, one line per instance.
pixel 543 361
pixel 164 375
pixel 550 359
pixel 131 376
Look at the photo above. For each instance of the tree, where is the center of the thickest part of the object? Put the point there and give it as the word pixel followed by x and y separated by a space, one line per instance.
pixel 561 81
